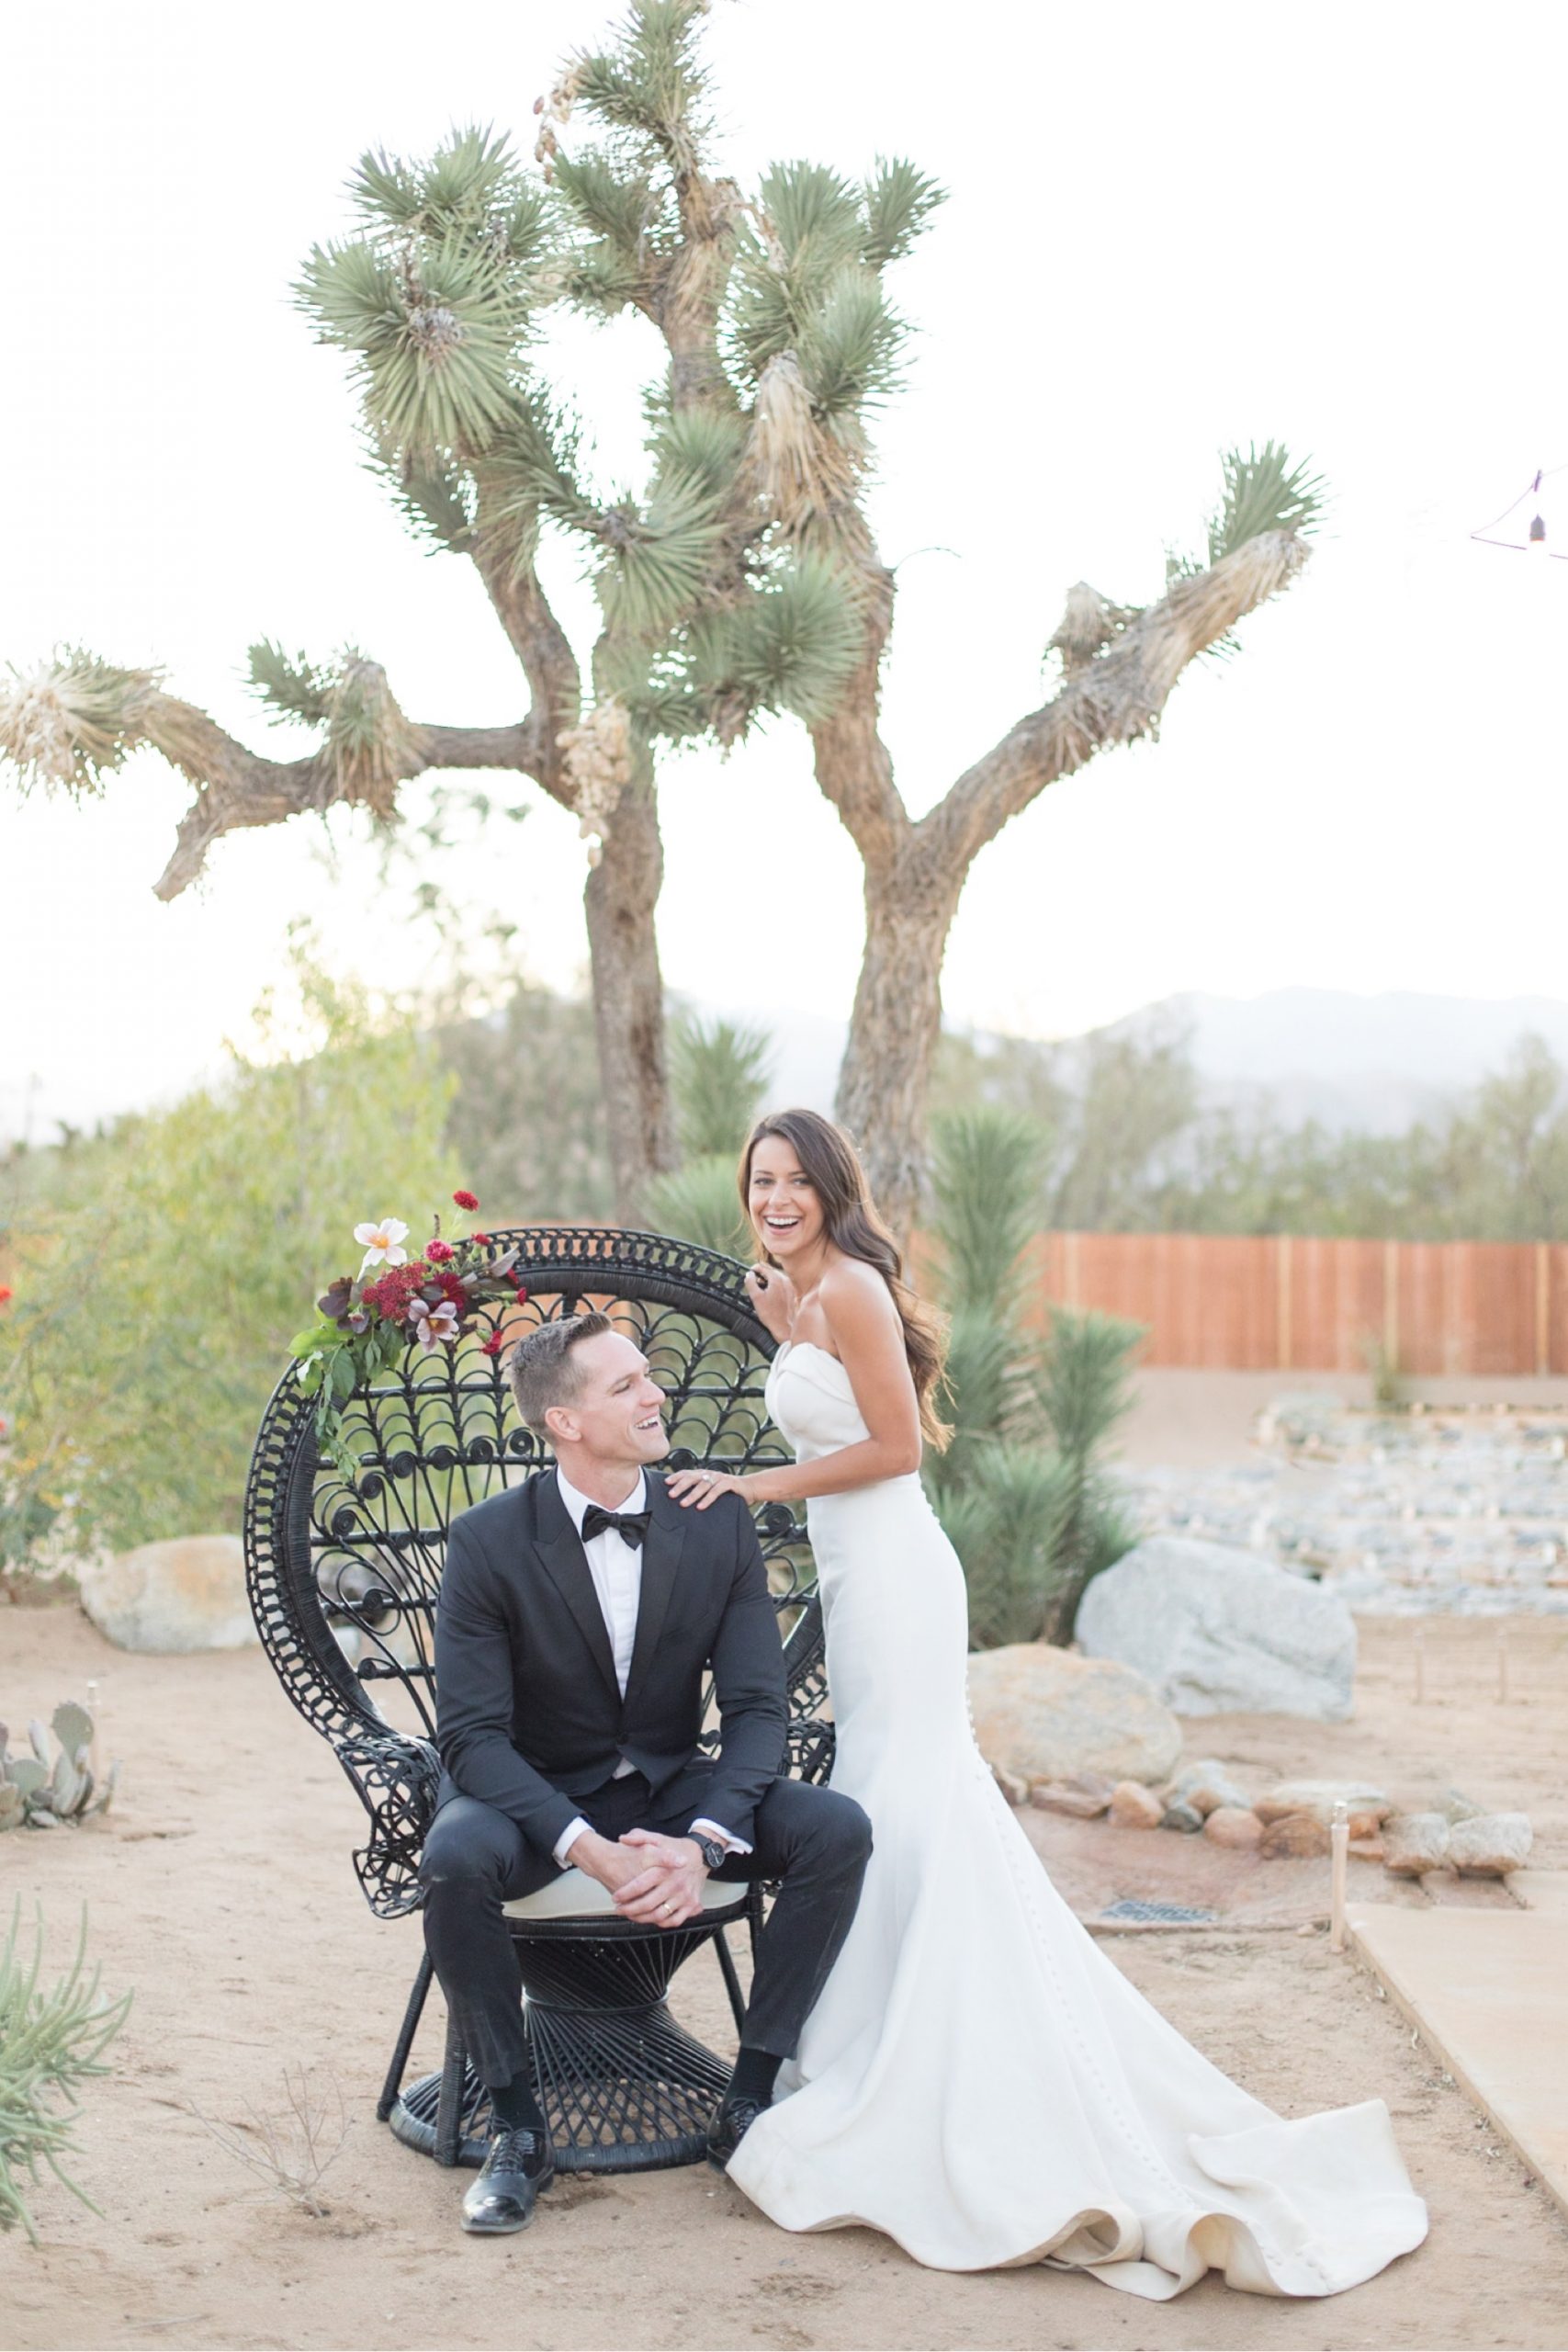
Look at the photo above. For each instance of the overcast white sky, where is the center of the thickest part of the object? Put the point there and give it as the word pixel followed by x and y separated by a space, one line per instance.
pixel 1171 226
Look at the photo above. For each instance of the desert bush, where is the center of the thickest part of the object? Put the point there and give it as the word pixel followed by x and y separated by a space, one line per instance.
pixel 51 2041
pixel 159 1267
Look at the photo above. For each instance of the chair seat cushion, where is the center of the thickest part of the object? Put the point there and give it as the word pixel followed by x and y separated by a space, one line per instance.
pixel 575 1896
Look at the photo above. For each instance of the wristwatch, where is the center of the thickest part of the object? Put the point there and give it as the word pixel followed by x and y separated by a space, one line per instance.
pixel 712 1852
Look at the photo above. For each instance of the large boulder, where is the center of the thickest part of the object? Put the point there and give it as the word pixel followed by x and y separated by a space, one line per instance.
pixel 1046 1715
pixel 185 1595
pixel 1219 1631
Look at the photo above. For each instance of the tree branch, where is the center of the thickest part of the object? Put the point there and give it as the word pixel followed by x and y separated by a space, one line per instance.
pixel 237 787
pixel 854 767
pixel 1114 698
pixel 540 644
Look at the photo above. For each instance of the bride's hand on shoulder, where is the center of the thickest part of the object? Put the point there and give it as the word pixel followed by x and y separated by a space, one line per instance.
pixel 772 1299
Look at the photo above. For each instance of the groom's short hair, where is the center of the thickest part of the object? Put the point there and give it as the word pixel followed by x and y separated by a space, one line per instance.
pixel 543 1373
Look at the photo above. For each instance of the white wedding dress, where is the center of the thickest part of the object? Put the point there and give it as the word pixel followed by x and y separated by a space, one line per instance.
pixel 977 2079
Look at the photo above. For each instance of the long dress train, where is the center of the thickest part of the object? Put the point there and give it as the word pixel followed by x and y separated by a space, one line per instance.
pixel 977 2079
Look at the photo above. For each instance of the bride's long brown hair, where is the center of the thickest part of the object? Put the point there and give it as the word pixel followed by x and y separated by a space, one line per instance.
pixel 853 1226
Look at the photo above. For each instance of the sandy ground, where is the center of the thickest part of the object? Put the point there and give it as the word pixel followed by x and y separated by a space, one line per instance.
pixel 1201 1420
pixel 220 1890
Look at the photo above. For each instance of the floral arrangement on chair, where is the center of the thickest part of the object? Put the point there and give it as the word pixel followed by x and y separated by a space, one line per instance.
pixel 363 1324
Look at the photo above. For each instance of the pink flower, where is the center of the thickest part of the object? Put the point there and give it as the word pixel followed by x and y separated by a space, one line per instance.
pixel 437 1326
pixel 438 1252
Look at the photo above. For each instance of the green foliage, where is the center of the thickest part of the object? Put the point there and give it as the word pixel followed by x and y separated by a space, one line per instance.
pixel 984 1181
pixel 788 646
pixel 719 1071
pixel 527 1116
pixel 897 201
pixel 159 1267
pixel 289 683
pixel 1019 1489
pixel 698 1202
pixel 52 2040
pixel 649 83
pixel 1262 490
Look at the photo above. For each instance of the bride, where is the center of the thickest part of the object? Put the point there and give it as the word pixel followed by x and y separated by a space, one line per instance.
pixel 977 2079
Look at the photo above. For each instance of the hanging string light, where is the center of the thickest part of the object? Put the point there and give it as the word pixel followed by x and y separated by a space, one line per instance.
pixel 1503 531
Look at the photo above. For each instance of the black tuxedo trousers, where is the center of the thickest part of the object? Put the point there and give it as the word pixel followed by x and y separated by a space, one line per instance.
pixel 533 1728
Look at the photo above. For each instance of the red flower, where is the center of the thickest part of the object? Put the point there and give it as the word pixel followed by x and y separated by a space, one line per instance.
pixel 467 1200
pixel 453 1287
pixel 521 1295
pixel 480 1240
pixel 494 1345
pixel 6 1293
pixel 438 1252
pixel 391 1294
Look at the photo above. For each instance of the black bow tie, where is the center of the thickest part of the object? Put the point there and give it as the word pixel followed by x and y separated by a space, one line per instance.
pixel 631 1526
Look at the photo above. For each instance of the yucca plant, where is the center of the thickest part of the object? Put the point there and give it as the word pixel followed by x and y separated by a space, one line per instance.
pixel 1019 1489
pixel 52 2040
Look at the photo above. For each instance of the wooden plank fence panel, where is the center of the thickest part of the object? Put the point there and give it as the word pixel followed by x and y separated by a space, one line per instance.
pixel 1243 1302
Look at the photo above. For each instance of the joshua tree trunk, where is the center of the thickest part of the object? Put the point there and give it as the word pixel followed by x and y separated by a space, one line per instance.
pixel 897 1022
pixel 1117 679
pixel 628 993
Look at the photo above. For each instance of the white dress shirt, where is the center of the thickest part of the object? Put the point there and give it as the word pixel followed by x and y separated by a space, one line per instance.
pixel 616 1567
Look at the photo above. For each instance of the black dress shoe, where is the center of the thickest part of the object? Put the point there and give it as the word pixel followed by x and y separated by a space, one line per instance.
pixel 520 2164
pixel 729 2126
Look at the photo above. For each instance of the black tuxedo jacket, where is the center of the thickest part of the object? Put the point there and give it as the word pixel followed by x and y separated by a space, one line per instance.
pixel 530 1717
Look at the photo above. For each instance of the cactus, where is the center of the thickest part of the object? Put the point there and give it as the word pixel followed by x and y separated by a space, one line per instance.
pixel 40 1791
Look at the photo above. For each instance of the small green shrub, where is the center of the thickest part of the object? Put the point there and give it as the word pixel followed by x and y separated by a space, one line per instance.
pixel 51 2041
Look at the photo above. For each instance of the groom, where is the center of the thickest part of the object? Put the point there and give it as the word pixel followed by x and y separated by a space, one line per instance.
pixel 579 1614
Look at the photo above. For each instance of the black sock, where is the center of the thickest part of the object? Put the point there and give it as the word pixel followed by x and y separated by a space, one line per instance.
pixel 756 2072
pixel 514 2107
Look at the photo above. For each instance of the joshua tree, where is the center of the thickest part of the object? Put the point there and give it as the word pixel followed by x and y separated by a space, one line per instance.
pixel 711 614
pixel 745 579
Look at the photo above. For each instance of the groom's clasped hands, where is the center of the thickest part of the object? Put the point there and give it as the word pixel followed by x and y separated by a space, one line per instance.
pixel 654 1880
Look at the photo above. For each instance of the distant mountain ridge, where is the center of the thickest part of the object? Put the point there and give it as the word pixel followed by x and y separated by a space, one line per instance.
pixel 1375 1062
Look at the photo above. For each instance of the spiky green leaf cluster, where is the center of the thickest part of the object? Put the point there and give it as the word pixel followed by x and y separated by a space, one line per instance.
pixel 788 646
pixel 435 300
pixel 289 684
pixel 436 499
pixel 718 1071
pixel 649 84
pixel 1262 490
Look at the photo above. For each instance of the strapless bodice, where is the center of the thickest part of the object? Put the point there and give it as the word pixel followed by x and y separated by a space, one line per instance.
pixel 809 1398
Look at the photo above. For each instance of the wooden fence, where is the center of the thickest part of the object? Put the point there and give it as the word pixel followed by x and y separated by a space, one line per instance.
pixel 1281 1302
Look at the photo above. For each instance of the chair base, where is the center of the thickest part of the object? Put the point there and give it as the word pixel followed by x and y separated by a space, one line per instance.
pixel 629 2093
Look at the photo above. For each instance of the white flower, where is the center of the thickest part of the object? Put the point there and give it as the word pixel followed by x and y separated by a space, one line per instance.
pixel 380 1243
pixel 434 1325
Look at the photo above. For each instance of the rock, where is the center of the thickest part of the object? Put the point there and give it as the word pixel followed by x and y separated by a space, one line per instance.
pixel 1134 1807
pixel 1414 1842
pixel 1291 1835
pixel 1366 1808
pixel 1182 1816
pixel 1205 1785
pixel 1366 1850
pixel 188 1594
pixel 1016 1790
pixel 1488 1845
pixel 1047 1716
pixel 1455 1807
pixel 1234 1825
pixel 1216 1629
pixel 1086 1798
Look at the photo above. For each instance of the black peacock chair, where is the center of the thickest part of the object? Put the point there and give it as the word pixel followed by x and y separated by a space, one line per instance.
pixel 343 1576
